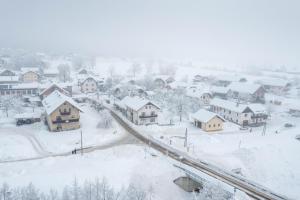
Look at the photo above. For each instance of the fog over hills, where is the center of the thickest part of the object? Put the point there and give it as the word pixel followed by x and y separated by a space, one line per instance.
pixel 230 32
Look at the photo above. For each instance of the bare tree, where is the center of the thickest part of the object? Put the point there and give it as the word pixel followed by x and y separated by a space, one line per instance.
pixel 135 69
pixel 64 72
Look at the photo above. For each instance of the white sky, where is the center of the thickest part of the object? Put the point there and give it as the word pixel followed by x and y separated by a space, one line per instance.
pixel 229 31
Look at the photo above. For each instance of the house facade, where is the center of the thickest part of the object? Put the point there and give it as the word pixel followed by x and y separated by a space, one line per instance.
pixel 7 72
pixel 30 76
pixel 246 92
pixel 62 113
pixel 19 89
pixel 140 111
pixel 207 121
pixel 241 114
pixel 89 85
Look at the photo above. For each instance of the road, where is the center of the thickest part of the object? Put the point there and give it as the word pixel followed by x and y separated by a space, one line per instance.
pixel 254 190
pixel 43 153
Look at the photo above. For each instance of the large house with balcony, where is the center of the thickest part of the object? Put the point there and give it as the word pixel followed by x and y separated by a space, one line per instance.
pixel 241 114
pixel 139 111
pixel 62 112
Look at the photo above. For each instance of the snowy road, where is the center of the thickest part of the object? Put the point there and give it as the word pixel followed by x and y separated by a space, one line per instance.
pixel 43 153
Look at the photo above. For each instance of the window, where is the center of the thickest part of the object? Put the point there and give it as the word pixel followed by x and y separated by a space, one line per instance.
pixel 246 114
pixel 209 126
pixel 219 125
pixel 152 113
pixel 152 120
pixel 214 125
pixel 143 113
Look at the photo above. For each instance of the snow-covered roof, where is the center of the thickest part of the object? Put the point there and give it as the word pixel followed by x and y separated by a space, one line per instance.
pixel 51 71
pixel 257 108
pixel 178 84
pixel 238 107
pixel 56 99
pixel 230 105
pixel 274 82
pixel 205 116
pixel 51 86
pixel 29 69
pixel 220 90
pixel 9 78
pixel 26 86
pixel 197 93
pixel 27 115
pixel 229 78
pixel 243 87
pixel 136 103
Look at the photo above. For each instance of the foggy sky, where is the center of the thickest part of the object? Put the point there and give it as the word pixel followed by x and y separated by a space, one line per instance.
pixel 239 32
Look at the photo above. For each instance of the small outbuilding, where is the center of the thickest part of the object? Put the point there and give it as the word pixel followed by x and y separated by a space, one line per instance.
pixel 207 121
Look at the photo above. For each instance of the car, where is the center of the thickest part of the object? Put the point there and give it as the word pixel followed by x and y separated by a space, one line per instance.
pixel 288 125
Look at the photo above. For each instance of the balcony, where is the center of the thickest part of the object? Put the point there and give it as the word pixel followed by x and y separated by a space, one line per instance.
pixel 65 121
pixel 147 116
pixel 259 116
pixel 65 112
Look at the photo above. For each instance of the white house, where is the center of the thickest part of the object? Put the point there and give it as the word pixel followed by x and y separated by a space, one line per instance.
pixel 275 85
pixel 242 114
pixel 140 111
pixel 246 92
pixel 89 85
pixel 204 96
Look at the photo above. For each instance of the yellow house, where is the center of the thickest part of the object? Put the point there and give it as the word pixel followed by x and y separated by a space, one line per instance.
pixel 62 112
pixel 207 121
pixel 30 75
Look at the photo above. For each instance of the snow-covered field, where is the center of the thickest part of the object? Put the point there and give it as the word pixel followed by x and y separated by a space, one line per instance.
pixel 120 165
pixel 271 160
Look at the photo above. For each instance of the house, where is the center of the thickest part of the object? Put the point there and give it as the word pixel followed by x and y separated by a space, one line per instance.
pixel 30 74
pixel 207 121
pixel 204 96
pixel 162 80
pixel 19 89
pixel 246 92
pixel 140 111
pixel 220 92
pixel 83 71
pixel 241 114
pixel 294 108
pixel 89 85
pixel 62 112
pixel 47 91
pixel 275 85
pixel 201 78
pixel 7 72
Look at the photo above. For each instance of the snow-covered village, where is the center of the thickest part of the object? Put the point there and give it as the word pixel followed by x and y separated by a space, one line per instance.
pixel 124 120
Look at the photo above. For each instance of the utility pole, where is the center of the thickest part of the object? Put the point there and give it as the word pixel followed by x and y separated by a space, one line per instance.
pixel 81 142
pixel 264 129
pixel 186 137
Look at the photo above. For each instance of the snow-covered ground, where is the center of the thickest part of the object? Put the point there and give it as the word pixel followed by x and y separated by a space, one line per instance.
pixel 120 165
pixel 270 160
pixel 55 142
